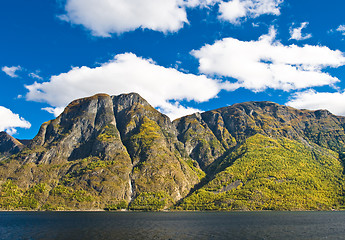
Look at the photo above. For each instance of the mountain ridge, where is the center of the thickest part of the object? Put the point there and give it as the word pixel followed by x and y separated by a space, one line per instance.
pixel 113 152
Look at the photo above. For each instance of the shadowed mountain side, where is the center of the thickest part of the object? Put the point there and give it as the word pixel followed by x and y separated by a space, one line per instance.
pixel 9 145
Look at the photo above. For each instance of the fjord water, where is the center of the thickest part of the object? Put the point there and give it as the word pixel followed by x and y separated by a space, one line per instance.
pixel 172 225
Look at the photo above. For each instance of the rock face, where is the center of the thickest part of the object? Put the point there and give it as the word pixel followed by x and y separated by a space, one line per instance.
pixel 217 131
pixel 117 152
pixel 107 151
pixel 9 145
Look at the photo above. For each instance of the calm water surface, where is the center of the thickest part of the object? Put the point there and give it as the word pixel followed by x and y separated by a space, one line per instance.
pixel 172 225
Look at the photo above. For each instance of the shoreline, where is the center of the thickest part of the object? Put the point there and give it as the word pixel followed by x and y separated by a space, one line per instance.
pixel 170 211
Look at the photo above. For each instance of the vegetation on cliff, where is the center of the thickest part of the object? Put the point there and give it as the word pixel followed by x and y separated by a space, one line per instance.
pixel 273 174
pixel 118 152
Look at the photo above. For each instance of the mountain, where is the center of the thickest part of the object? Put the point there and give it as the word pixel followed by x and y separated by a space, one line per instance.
pixel 261 155
pixel 112 152
pixel 9 145
pixel 101 152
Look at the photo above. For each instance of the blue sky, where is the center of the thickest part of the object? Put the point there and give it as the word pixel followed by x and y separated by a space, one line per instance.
pixel 181 55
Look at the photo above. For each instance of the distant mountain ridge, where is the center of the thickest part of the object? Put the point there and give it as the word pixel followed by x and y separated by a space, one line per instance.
pixel 114 152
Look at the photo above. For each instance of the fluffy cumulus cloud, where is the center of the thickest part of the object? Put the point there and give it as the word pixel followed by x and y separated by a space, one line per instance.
pixel 9 121
pixel 104 17
pixel 162 87
pixel 11 71
pixel 296 33
pixel 266 63
pixel 236 11
pixel 334 102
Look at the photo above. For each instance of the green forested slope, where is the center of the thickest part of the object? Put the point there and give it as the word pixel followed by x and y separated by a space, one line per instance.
pixel 273 174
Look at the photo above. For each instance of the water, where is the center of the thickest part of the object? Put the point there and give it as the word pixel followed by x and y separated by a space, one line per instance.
pixel 172 225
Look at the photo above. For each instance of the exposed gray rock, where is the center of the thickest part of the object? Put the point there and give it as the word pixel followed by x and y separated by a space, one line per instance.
pixel 9 145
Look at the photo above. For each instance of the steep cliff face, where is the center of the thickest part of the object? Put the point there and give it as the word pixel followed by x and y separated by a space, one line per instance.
pixel 107 151
pixel 119 152
pixel 159 165
pixel 87 127
pixel 205 138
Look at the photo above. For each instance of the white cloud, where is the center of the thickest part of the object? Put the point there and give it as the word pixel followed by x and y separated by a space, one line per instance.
pixel 266 63
pixel 127 73
pixel 35 75
pixel 9 121
pixel 200 3
pixel 11 71
pixel 296 33
pixel 55 111
pixel 334 102
pixel 236 11
pixel 104 17
pixel 175 110
pixel 341 29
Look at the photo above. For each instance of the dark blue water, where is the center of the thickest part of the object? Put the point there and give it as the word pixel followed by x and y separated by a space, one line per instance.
pixel 172 225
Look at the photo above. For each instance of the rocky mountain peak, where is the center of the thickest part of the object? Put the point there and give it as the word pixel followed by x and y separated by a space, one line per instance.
pixel 125 101
pixel 112 146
